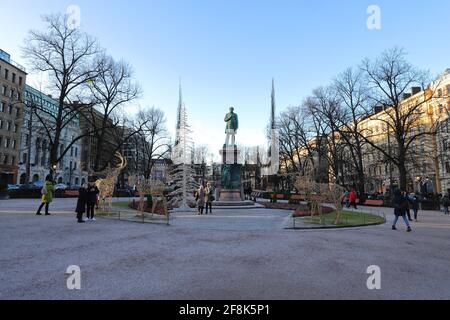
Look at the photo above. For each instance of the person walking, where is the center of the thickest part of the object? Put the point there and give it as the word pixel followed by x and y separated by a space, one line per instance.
pixel 414 204
pixel 81 204
pixel 445 201
pixel 400 203
pixel 209 197
pixel 91 201
pixel 346 199
pixel 352 198
pixel 200 197
pixel 47 195
pixel 408 206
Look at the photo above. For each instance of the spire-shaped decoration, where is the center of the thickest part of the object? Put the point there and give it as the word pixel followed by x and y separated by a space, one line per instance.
pixel 180 105
pixel 272 115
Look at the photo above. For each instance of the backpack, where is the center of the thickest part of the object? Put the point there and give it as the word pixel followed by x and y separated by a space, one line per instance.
pixel 44 190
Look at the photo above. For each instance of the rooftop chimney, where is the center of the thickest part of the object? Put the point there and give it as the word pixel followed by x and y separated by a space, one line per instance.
pixel 406 96
pixel 415 90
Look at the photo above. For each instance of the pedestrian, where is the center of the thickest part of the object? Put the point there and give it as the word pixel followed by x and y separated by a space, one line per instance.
pixel 81 204
pixel 408 206
pixel 346 199
pixel 200 198
pixel 400 203
pixel 91 201
pixel 414 203
pixel 445 201
pixel 47 195
pixel 352 198
pixel 209 197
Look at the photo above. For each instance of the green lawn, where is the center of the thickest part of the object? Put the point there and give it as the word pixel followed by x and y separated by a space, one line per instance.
pixel 348 218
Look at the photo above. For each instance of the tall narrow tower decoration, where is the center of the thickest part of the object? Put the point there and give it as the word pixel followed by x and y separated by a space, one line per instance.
pixel 181 155
pixel 274 149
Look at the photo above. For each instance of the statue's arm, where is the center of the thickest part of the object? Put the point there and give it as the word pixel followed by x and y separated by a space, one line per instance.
pixel 228 117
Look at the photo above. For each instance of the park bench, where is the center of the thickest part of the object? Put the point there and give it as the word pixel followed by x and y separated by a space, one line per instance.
pixel 71 193
pixel 374 203
pixel 296 199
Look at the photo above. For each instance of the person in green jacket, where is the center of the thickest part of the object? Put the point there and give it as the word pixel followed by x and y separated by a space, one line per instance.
pixel 47 195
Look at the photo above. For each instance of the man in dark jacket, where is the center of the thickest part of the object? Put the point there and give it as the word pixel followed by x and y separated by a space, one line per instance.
pixel 81 204
pixel 92 193
pixel 400 204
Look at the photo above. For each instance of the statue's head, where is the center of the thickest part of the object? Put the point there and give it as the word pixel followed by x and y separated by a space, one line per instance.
pixel 231 109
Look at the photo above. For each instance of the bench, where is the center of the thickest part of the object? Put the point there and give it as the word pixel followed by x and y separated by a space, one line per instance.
pixel 374 203
pixel 71 193
pixel 296 199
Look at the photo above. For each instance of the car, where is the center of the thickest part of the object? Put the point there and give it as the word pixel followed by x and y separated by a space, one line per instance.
pixel 38 184
pixel 13 187
pixel 29 186
pixel 61 186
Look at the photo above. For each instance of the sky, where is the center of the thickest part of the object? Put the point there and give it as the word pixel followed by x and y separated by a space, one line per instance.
pixel 226 52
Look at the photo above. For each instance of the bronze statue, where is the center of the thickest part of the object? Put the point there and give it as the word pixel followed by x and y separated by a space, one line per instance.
pixel 232 126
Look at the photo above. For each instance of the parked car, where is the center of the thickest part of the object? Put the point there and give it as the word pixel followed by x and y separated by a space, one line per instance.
pixel 61 186
pixel 30 186
pixel 13 187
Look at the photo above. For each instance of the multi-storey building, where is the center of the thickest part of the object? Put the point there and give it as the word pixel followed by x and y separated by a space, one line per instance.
pixel 34 162
pixel 12 84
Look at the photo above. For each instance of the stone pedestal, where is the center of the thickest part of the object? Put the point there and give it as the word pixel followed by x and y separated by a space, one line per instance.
pixel 231 186
pixel 230 195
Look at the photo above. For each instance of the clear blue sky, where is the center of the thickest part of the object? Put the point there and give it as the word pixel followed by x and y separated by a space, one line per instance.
pixel 227 51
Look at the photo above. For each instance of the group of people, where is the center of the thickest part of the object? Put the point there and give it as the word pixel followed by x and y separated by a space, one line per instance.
pixel 204 197
pixel 87 200
pixel 350 199
pixel 403 203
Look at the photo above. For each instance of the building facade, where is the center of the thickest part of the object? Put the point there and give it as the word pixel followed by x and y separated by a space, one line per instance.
pixel 12 85
pixel 34 162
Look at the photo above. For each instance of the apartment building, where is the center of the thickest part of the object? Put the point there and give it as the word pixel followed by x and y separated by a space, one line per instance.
pixel 12 85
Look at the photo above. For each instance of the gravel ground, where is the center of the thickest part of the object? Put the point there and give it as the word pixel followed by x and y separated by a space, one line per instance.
pixel 237 254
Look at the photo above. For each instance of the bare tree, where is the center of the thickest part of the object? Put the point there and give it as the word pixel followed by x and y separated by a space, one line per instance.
pixel 156 142
pixel 390 78
pixel 352 93
pixel 112 89
pixel 63 54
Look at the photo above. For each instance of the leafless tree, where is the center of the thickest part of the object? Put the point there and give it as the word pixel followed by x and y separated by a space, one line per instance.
pixel 390 77
pixel 112 89
pixel 151 123
pixel 64 54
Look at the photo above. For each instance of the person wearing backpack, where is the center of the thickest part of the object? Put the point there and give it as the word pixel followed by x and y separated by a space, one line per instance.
pixel 47 195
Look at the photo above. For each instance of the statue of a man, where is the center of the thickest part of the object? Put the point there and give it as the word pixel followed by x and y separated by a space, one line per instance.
pixel 232 125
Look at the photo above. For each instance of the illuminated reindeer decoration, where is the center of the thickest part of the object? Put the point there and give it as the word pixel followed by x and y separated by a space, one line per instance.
pixel 106 186
pixel 153 187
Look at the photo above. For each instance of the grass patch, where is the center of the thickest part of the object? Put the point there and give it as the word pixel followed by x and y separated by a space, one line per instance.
pixel 348 219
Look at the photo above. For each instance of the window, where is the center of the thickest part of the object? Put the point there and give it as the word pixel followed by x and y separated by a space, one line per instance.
pixel 13 160
pixel 16 128
pixel 7 142
pixel 11 93
pixel 6 74
pixel 75 166
pixel 76 152
pixel 5 159
pixel 71 151
pixel 14 144
pixel 24 158
pixel 2 107
pixel 8 126
pixel 20 81
pixel 4 90
pixel 17 113
pixel 19 96
pixel 14 78
pixel 10 109
pixel 1 124
pixel 447 167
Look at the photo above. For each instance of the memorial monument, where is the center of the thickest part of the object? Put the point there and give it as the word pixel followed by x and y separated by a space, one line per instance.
pixel 231 169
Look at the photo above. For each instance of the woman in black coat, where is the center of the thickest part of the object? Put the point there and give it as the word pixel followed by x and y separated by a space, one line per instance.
pixel 81 204
pixel 400 204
